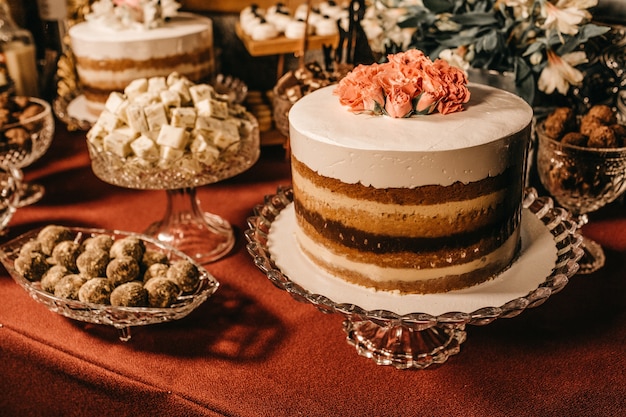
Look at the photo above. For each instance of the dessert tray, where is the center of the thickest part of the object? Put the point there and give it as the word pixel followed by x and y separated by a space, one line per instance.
pixel 418 330
pixel 121 318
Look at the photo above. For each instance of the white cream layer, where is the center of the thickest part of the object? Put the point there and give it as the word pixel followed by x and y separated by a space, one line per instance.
pixel 491 134
pixel 379 274
pixel 182 34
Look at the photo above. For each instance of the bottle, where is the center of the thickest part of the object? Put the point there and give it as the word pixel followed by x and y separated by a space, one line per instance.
pixel 53 17
pixel 18 53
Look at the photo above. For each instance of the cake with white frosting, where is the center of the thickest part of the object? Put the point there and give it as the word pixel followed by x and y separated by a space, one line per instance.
pixel 421 204
pixel 118 44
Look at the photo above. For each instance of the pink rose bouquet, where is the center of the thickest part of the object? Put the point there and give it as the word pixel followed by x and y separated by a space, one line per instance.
pixel 408 83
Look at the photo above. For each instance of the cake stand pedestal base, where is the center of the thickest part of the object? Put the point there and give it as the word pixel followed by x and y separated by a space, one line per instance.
pixel 404 347
pixel 205 237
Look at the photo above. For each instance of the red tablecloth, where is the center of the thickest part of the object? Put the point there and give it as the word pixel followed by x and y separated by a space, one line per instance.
pixel 252 350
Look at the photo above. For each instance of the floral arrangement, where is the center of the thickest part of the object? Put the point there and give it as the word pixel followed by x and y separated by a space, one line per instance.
pixel 408 83
pixel 132 14
pixel 540 41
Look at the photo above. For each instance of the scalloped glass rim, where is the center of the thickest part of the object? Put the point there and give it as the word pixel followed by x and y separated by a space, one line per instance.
pixel 118 317
pixel 557 220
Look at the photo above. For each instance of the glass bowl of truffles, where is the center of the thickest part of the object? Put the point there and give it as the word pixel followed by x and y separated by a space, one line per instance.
pixel 115 278
pixel 26 132
pixel 581 161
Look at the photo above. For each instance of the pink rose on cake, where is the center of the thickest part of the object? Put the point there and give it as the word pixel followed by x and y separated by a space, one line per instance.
pixel 408 83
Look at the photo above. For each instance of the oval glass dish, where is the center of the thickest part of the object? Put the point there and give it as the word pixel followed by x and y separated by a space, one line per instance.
pixel 122 318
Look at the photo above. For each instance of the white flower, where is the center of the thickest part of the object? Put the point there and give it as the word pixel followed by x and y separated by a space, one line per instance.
pixel 521 8
pixel 566 15
pixel 560 73
pixel 454 58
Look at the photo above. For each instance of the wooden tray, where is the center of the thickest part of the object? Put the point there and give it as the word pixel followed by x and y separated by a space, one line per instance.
pixel 282 45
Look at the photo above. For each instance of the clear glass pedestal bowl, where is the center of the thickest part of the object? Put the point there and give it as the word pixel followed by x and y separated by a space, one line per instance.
pixel 205 237
pixel 39 132
pixel 121 318
pixel 418 330
pixel 582 180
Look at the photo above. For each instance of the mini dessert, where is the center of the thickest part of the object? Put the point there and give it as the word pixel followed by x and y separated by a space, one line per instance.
pixel 50 235
pixel 122 269
pixel 130 294
pixel 185 274
pixel 31 246
pixel 420 195
pixel 65 253
pixel 93 262
pixel 325 26
pixel 68 286
pixel 130 246
pixel 99 242
pixel 118 44
pixel 162 292
pixel 96 291
pixel 263 31
pixel 151 257
pixel 155 270
pixel 52 276
pixel 295 29
pixel 31 265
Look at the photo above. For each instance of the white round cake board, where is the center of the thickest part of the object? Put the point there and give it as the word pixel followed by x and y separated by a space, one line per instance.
pixel 77 108
pixel 534 264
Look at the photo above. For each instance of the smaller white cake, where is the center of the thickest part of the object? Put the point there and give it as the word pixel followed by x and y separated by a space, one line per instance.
pixel 111 49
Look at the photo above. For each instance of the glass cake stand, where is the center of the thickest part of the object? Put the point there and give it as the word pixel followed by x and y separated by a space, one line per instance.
pixel 418 330
pixel 206 237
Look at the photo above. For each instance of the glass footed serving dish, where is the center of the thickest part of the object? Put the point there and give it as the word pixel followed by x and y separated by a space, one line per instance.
pixel 39 132
pixel 581 179
pixel 204 236
pixel 418 330
pixel 121 318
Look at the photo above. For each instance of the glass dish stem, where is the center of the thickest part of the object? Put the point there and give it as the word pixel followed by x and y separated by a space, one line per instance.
pixel 205 237
pixel 29 193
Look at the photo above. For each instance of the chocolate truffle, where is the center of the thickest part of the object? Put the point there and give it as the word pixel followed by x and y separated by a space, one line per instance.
pixel 129 246
pixel 68 286
pixel 96 290
pixel 155 270
pixel 185 274
pixel 130 294
pixel 31 265
pixel 122 269
pixel 93 263
pixel 65 253
pixel 151 257
pixel 52 234
pixel 31 246
pixel 162 292
pixel 52 276
pixel 100 242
